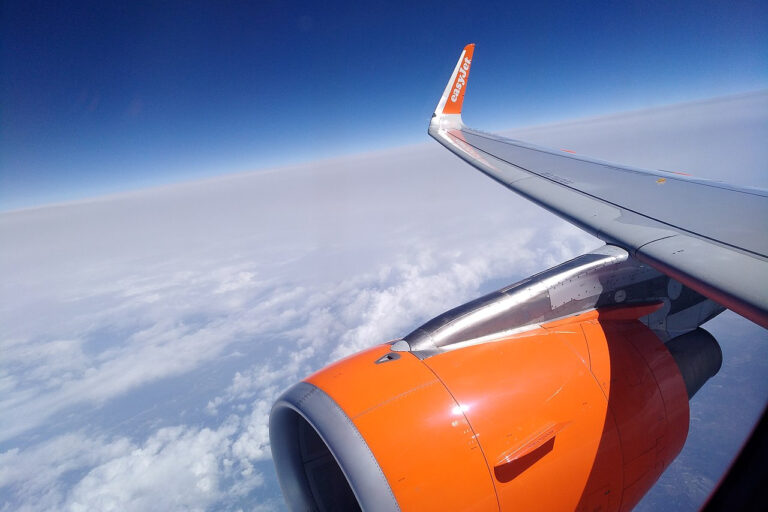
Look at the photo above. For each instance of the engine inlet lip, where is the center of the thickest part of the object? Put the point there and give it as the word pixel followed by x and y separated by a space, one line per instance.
pixel 343 440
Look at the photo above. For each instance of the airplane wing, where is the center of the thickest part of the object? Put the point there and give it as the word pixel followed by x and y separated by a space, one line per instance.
pixel 709 236
pixel 577 378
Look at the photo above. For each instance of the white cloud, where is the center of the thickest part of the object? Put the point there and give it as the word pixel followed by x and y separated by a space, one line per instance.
pixel 35 473
pixel 220 294
pixel 253 443
pixel 175 469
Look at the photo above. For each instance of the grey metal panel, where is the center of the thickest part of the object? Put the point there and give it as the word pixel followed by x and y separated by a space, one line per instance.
pixel 603 278
pixel 698 356
pixel 606 221
pixel 337 431
pixel 732 216
pixel 723 229
pixel 530 301
pixel 736 280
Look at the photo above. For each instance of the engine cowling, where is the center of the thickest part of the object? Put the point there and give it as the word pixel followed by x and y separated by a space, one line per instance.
pixel 554 393
pixel 578 414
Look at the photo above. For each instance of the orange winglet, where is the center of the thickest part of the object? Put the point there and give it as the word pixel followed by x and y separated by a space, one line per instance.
pixel 454 93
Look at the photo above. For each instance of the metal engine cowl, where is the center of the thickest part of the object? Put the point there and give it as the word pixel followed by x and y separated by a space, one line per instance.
pixel 579 413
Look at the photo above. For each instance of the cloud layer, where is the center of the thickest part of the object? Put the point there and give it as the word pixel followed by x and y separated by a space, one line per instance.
pixel 145 336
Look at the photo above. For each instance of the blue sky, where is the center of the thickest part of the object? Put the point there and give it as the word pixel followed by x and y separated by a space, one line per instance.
pixel 101 97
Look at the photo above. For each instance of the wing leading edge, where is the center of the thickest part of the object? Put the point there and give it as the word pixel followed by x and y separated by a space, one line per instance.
pixel 710 236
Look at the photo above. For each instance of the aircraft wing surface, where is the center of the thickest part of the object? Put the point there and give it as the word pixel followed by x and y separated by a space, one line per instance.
pixel 709 236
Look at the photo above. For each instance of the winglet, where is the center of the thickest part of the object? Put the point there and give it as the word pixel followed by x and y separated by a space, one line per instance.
pixel 449 107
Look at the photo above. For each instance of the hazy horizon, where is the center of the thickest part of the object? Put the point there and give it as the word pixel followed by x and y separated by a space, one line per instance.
pixel 553 128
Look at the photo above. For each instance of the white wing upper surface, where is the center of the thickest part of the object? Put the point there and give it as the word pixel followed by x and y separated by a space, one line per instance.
pixel 710 236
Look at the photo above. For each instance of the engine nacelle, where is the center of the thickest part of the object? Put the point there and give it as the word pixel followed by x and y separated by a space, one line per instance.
pixel 579 414
pixel 475 412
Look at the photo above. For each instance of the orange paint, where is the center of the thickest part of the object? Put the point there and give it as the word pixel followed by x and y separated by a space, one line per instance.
pixel 358 384
pixel 648 409
pixel 583 413
pixel 429 453
pixel 455 99
pixel 516 390
pixel 414 428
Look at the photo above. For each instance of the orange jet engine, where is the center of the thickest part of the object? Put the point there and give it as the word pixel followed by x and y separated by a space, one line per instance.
pixel 533 397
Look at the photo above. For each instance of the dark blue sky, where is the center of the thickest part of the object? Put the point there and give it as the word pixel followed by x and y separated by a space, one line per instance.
pixel 100 97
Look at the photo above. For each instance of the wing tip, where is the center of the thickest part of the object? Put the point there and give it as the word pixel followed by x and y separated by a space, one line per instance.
pixel 452 100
